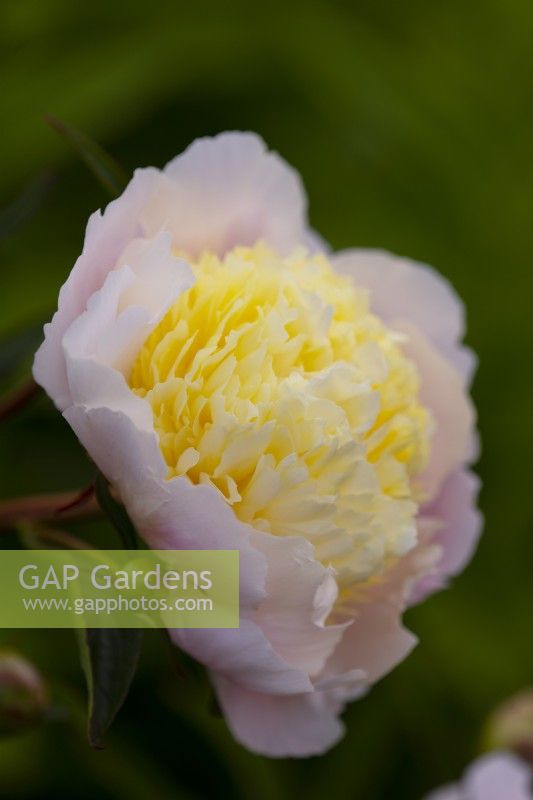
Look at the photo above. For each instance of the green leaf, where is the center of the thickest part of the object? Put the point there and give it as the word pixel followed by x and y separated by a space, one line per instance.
pixel 110 174
pixel 116 513
pixel 26 204
pixel 110 658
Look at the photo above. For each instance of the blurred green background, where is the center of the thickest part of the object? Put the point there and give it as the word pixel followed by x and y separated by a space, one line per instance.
pixel 412 125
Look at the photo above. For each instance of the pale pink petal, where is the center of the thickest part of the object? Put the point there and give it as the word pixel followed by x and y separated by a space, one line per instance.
pixel 106 237
pixel 402 289
pixel 442 391
pixel 289 616
pixel 121 314
pixel 376 641
pixel 457 531
pixel 160 277
pixel 227 191
pixel 279 726
pixel 300 594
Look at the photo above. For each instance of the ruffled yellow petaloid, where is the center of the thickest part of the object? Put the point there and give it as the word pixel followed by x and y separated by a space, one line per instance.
pixel 271 380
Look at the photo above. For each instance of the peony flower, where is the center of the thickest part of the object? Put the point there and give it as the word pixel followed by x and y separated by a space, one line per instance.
pixel 497 776
pixel 242 388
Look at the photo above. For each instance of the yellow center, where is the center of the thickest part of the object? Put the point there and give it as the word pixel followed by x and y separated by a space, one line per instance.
pixel 271 380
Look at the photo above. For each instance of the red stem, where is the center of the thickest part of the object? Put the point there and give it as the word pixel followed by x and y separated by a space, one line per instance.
pixel 48 507
pixel 17 399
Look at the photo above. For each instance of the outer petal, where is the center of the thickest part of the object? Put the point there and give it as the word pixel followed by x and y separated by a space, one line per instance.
pixel 373 645
pixel 106 237
pixel 298 725
pixel 300 594
pixel 290 615
pixel 441 390
pixel 456 532
pixel 376 641
pixel 406 290
pixel 120 315
pixel 227 191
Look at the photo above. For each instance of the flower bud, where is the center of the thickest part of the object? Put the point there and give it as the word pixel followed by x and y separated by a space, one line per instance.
pixel 23 694
pixel 511 726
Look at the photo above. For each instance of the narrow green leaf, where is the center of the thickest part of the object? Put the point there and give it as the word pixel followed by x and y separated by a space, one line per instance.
pixel 109 658
pixel 26 204
pixel 110 174
pixel 116 513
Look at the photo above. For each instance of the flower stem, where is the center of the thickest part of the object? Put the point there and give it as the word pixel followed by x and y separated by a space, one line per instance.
pixel 48 508
pixel 18 398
